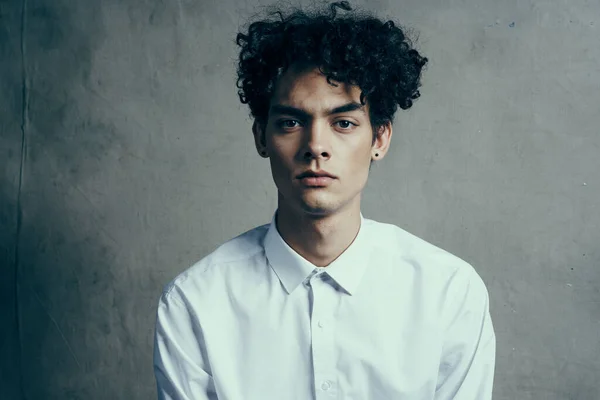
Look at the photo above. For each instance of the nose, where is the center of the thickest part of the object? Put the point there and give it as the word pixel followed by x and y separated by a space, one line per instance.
pixel 316 141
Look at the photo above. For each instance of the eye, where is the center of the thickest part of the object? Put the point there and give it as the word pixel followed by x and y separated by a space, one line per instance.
pixel 345 124
pixel 287 123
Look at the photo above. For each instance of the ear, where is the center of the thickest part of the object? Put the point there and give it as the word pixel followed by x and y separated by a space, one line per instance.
pixel 382 141
pixel 258 130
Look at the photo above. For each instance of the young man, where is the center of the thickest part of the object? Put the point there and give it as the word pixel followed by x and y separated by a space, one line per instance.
pixel 323 303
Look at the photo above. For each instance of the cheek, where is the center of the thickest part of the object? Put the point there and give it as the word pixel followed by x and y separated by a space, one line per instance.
pixel 279 159
pixel 361 177
pixel 360 168
pixel 279 168
pixel 360 160
pixel 282 151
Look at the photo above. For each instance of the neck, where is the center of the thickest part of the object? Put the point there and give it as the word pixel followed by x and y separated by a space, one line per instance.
pixel 319 239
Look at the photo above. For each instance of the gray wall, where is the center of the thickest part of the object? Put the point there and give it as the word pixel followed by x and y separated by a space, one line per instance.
pixel 125 157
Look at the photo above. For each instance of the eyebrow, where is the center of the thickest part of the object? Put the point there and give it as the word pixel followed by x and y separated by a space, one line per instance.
pixel 297 112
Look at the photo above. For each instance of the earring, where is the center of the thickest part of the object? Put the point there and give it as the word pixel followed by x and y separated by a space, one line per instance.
pixel 376 154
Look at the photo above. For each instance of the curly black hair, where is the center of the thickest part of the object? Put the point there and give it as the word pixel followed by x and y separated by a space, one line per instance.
pixel 357 48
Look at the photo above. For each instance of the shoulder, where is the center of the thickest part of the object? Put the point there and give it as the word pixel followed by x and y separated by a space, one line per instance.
pixel 449 285
pixel 434 264
pixel 215 266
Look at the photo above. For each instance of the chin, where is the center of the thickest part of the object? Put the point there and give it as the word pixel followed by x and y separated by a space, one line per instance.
pixel 317 202
pixel 316 210
pixel 317 206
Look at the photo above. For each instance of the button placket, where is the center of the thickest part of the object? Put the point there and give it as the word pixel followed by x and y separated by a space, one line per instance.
pixel 322 340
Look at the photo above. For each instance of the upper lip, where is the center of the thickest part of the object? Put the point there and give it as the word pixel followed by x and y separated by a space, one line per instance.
pixel 310 172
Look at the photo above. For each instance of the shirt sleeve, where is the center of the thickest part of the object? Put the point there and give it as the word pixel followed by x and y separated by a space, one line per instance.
pixel 180 363
pixel 466 369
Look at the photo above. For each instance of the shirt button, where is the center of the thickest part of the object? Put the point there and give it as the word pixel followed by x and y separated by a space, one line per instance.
pixel 321 324
pixel 325 385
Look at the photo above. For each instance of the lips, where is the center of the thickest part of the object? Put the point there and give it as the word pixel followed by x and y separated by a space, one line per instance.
pixel 316 181
pixel 315 174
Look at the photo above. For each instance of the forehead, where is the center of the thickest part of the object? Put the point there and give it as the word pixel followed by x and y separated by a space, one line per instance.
pixel 308 89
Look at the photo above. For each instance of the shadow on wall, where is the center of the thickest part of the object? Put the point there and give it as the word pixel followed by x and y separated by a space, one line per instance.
pixel 65 289
pixel 9 349
pixel 10 160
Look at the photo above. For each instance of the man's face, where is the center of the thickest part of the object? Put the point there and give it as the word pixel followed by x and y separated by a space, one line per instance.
pixel 304 131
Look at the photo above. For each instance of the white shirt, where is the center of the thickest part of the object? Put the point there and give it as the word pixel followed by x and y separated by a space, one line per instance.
pixel 393 317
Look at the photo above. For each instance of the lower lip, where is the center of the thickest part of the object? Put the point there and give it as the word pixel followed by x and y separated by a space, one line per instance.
pixel 316 180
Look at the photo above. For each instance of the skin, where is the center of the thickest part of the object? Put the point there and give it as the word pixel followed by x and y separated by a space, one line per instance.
pixel 318 223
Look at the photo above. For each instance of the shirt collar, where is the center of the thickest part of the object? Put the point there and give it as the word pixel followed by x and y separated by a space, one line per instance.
pixel 292 269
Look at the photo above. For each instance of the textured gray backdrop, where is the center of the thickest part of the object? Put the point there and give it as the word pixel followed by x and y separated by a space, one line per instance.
pixel 125 157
